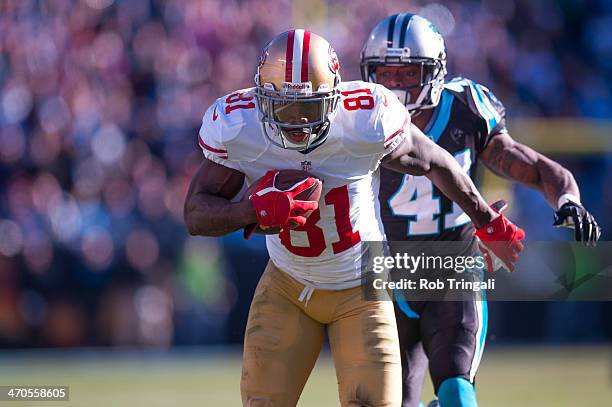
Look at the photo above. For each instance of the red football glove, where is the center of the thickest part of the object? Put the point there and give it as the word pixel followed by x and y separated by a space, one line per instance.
pixel 500 240
pixel 275 207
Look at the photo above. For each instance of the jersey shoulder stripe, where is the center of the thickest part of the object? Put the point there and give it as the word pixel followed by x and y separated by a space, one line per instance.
pixel 442 114
pixel 219 152
pixel 480 100
pixel 389 140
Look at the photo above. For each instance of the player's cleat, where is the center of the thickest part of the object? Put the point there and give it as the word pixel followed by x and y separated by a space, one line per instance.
pixel 433 403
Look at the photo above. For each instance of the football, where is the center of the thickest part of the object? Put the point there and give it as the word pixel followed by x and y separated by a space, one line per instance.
pixel 285 180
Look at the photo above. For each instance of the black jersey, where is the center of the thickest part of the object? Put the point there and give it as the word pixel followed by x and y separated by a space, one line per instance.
pixel 463 123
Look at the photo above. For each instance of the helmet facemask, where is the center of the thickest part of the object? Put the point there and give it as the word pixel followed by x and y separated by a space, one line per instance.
pixel 431 81
pixel 296 119
pixel 297 89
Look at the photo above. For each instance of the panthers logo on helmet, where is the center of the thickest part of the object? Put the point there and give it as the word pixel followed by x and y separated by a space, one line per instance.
pixel 334 65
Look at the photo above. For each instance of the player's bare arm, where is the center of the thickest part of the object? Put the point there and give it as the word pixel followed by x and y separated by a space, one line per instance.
pixel 418 155
pixel 518 162
pixel 208 210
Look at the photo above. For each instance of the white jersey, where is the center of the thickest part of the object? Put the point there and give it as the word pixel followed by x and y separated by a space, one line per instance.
pixel 368 124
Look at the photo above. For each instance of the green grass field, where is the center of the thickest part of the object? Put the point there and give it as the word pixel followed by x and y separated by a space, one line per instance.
pixel 577 376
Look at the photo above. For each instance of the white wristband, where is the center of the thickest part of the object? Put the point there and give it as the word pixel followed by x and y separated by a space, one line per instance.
pixel 565 198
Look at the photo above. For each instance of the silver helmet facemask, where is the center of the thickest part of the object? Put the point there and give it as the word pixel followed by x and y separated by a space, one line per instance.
pixel 431 82
pixel 421 44
pixel 319 108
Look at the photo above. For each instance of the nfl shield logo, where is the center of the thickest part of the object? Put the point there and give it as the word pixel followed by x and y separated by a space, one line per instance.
pixel 306 166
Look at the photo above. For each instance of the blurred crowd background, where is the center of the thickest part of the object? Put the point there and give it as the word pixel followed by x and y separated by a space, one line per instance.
pixel 100 103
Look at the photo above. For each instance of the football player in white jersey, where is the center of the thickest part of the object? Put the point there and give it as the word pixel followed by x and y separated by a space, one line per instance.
pixel 406 53
pixel 301 116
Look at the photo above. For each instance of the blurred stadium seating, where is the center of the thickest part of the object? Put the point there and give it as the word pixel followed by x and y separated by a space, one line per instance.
pixel 100 102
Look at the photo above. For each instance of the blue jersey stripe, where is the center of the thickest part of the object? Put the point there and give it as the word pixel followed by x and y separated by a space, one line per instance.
pixel 433 119
pixel 491 120
pixel 403 305
pixel 485 326
pixel 442 116
pixel 485 321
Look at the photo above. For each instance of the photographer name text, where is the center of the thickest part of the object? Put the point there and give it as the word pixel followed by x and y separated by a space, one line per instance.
pixel 435 284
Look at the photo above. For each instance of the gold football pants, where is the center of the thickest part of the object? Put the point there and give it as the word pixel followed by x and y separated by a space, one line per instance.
pixel 284 337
